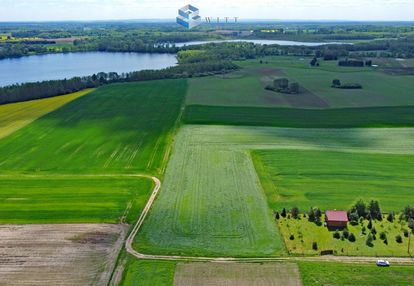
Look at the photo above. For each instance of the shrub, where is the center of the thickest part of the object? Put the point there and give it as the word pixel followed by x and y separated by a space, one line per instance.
pixel 411 224
pixel 398 239
pixel 283 214
pixel 350 86
pixel 292 237
pixel 336 234
pixel 363 229
pixel 351 237
pixel 353 218
pixel 390 217
pixel 374 210
pixel 360 208
pixel 295 212
pixel 383 236
pixel 386 241
pixel 314 246
pixel 406 233
pixel 336 82
pixel 318 213
pixel 408 212
pixel 314 215
pixel 373 231
pixel 311 215
pixel 345 233
pixel 369 240
pixel 369 226
pixel 277 216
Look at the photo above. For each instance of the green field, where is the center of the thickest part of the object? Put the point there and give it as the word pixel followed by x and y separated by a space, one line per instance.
pixel 72 199
pixel 209 205
pixel 239 98
pixel 117 128
pixel 341 274
pixel 122 128
pixel 246 87
pixel 301 118
pixel 148 272
pixel 334 180
pixel 212 203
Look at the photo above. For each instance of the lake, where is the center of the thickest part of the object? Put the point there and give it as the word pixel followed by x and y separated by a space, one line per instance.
pixel 60 66
pixel 260 42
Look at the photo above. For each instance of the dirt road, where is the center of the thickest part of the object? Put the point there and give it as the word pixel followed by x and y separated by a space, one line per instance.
pixel 137 227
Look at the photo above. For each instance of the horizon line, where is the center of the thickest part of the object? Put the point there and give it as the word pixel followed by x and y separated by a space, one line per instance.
pixel 240 20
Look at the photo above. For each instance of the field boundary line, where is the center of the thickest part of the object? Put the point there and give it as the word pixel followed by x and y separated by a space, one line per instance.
pixel 150 202
pixel 329 258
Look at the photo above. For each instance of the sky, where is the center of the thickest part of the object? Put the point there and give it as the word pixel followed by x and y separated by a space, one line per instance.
pixel 52 10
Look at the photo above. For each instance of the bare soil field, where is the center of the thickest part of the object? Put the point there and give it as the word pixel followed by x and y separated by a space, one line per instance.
pixel 59 254
pixel 237 274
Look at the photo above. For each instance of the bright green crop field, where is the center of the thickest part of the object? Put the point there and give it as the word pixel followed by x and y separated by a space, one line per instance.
pixel 148 272
pixel 401 116
pixel 335 180
pixel 72 199
pixel 341 274
pixel 209 205
pixel 117 128
pixel 212 201
pixel 246 87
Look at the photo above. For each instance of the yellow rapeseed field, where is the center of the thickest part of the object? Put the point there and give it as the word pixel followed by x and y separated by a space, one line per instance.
pixel 14 116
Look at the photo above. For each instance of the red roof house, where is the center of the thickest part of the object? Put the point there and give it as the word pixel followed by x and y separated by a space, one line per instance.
pixel 336 219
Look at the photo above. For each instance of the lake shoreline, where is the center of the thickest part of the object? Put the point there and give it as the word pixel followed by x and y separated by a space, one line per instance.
pixel 58 66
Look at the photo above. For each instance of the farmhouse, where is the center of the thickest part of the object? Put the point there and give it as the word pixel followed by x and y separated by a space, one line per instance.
pixel 336 219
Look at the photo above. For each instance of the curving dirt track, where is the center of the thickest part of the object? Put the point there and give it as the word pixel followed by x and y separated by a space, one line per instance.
pixel 140 221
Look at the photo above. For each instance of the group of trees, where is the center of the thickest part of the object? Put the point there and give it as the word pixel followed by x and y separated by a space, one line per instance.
pixel 336 83
pixel 284 86
pixel 354 63
pixel 361 210
pixel 359 213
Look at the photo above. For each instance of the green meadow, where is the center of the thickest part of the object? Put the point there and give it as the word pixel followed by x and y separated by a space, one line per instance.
pixel 245 88
pixel 240 98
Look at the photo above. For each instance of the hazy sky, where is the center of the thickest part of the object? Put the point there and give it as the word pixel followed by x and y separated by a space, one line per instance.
pixel 38 10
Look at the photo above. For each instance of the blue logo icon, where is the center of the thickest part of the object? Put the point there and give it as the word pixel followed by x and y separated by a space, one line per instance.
pixel 188 17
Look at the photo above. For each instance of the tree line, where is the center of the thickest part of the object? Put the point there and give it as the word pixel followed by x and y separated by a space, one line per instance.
pixel 44 89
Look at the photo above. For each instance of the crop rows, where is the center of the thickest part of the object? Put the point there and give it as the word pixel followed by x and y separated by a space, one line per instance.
pixel 212 202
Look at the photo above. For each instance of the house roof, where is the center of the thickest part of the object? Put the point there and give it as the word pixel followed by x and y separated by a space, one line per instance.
pixel 336 216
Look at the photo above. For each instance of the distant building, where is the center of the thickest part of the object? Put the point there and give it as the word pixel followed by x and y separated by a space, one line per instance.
pixel 336 219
